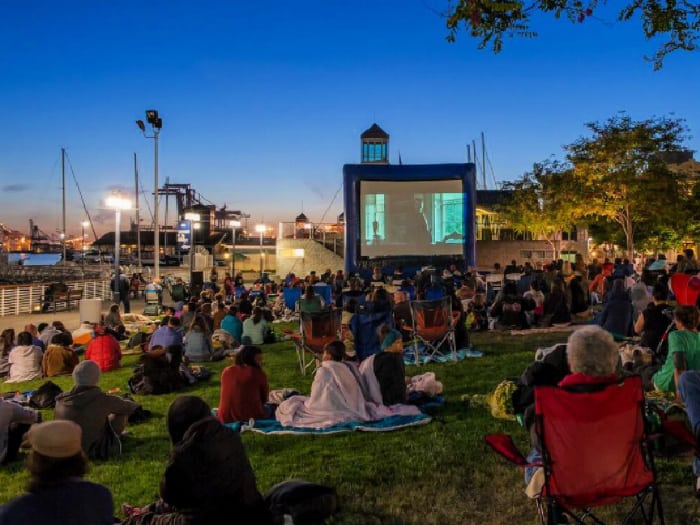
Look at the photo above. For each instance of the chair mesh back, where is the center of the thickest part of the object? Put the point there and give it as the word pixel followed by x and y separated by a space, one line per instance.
pixel 318 328
pixel 431 318
pixel 593 443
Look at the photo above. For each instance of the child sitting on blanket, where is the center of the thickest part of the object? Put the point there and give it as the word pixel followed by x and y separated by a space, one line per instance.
pixel 388 369
pixel 337 396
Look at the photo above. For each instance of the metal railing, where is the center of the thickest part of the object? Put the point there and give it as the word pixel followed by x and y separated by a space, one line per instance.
pixel 16 300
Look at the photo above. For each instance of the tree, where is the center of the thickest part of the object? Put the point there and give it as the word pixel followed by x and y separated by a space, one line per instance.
pixel 676 21
pixel 621 175
pixel 539 202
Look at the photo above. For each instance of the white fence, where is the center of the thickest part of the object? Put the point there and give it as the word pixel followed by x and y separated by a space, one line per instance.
pixel 15 300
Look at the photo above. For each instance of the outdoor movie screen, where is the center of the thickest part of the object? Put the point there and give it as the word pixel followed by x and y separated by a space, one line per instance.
pixel 411 218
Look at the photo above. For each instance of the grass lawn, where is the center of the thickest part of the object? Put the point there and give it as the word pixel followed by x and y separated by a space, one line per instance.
pixel 440 473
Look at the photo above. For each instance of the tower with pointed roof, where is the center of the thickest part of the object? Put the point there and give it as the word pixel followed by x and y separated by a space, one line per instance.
pixel 375 145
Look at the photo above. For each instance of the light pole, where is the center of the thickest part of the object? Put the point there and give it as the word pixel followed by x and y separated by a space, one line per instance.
pixel 194 219
pixel 260 228
pixel 83 225
pixel 234 224
pixel 156 124
pixel 119 204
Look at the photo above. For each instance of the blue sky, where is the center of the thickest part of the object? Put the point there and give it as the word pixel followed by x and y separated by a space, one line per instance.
pixel 262 104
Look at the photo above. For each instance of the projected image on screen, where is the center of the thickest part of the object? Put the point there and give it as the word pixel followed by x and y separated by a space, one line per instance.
pixel 411 218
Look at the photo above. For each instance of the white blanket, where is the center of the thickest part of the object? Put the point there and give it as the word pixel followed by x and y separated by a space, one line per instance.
pixel 336 397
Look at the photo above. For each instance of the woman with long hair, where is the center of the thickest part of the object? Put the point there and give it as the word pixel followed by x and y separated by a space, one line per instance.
pixel 244 388
pixel 7 343
pixel 255 327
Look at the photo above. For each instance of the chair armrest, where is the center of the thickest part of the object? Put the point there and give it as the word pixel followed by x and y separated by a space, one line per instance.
pixel 503 445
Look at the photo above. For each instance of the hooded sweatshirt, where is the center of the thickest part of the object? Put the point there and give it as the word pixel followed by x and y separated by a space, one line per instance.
pixel 89 407
pixel 25 363
pixel 58 360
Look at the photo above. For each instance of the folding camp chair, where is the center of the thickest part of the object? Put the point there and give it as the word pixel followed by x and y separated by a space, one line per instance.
pixel 494 284
pixel 316 330
pixel 364 325
pixel 433 326
pixel 152 302
pixel 595 452
pixel 686 288
pixel 291 296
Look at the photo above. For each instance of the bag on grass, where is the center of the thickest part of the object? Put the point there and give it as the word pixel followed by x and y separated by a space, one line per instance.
pixel 307 503
pixel 45 395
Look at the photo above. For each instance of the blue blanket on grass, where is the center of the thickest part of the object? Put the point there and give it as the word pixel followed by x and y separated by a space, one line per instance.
pixel 409 356
pixel 272 426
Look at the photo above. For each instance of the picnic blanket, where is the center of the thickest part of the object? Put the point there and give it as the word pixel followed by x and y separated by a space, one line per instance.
pixel 386 424
pixel 409 356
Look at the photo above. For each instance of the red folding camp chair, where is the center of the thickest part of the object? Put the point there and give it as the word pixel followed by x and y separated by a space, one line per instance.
pixel 433 326
pixel 316 330
pixel 686 288
pixel 595 452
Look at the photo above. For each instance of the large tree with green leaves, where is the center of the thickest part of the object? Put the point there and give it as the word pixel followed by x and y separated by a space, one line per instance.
pixel 621 174
pixel 676 22
pixel 540 203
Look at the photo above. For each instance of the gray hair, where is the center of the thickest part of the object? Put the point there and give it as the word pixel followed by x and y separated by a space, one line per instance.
pixel 592 351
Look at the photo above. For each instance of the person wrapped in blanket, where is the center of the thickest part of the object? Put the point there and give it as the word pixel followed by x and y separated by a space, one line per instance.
pixel 208 478
pixel 337 396
pixel 592 357
pixel 384 374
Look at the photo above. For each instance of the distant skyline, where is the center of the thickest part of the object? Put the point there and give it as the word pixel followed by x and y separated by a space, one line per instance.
pixel 262 106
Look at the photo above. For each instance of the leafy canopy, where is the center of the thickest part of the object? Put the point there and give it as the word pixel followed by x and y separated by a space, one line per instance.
pixel 677 22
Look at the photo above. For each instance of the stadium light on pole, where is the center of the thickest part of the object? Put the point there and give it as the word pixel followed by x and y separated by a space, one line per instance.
pixel 260 228
pixel 156 124
pixel 118 204
pixel 234 224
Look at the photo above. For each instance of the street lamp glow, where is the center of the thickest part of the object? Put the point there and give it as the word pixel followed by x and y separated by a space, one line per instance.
pixel 260 228
pixel 118 203
pixel 235 224
pixel 195 217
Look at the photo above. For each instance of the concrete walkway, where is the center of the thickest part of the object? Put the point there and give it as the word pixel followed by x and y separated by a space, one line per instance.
pixel 70 319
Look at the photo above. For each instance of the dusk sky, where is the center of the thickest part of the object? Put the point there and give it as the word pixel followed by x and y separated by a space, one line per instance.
pixel 262 104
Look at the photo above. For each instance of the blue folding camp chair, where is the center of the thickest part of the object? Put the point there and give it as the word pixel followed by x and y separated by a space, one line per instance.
pixel 291 297
pixel 364 326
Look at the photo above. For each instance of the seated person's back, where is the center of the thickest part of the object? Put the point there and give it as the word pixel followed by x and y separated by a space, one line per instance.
pixel 244 388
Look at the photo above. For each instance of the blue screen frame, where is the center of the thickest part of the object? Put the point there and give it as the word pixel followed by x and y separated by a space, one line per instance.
pixel 353 174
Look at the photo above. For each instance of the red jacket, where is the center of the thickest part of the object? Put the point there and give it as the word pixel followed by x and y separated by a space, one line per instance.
pixel 244 391
pixel 105 351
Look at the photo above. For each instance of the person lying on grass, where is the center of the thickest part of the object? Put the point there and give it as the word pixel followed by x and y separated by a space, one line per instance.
pixel 337 396
pixel 208 478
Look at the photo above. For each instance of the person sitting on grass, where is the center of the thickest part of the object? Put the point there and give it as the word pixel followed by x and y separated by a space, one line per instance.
pixel 104 349
pixel 384 374
pixel 337 396
pixel 59 358
pixel 168 334
pixel 310 302
pixel 208 479
pixel 57 494
pixel 113 320
pixel 255 327
pixel 24 360
pixel 244 388
pixel 556 309
pixel 232 324
pixel 102 417
pixel 510 308
pixel 7 343
pixel 685 338
pixel 14 424
pixel 198 346
pixel 616 317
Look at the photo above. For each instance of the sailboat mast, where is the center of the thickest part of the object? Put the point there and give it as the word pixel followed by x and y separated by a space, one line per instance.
pixel 138 218
pixel 63 191
pixel 483 159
